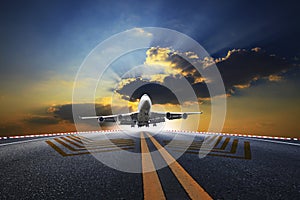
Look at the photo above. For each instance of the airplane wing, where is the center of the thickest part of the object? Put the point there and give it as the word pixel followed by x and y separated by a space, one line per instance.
pixel 132 118
pixel 157 117
pixel 126 118
pixel 107 118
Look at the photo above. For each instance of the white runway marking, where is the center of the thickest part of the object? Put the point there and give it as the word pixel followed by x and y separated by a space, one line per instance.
pixel 105 132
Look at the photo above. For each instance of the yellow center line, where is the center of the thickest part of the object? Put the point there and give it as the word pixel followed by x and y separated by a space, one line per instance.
pixel 151 184
pixel 194 190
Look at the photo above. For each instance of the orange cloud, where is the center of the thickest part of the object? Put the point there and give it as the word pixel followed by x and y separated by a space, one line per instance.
pixel 275 78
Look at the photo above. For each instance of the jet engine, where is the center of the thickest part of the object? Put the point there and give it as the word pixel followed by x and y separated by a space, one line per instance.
pixel 173 116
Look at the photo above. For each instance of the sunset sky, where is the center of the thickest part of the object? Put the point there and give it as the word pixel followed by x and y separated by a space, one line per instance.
pixel 255 46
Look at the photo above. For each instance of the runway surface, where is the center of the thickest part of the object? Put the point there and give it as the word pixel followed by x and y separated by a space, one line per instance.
pixel 68 167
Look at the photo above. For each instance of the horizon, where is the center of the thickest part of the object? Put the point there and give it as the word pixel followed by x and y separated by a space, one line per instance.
pixel 256 50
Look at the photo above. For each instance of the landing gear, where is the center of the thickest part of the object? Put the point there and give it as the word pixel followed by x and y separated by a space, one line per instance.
pixel 133 123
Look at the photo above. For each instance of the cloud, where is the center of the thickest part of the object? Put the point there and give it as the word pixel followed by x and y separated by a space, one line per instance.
pixel 142 32
pixel 275 78
pixel 160 70
pixel 41 120
pixel 265 124
pixel 64 112
pixel 7 129
pixel 55 118
pixel 240 69
pixel 172 62
pixel 135 89
pixel 170 91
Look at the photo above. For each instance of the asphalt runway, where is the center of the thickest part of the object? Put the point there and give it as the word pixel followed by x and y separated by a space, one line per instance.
pixel 67 167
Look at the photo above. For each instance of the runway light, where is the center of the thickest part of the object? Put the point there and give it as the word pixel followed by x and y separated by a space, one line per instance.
pixel 182 131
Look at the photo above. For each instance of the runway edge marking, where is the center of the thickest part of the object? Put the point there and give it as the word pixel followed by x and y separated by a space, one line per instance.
pixel 238 135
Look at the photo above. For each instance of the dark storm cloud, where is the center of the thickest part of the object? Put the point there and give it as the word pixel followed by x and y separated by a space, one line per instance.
pixel 239 69
pixel 200 88
pixel 243 68
pixel 7 129
pixel 46 120
pixel 159 94
pixel 64 112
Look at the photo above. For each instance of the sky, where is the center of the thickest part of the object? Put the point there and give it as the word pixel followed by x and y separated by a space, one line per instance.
pixel 254 45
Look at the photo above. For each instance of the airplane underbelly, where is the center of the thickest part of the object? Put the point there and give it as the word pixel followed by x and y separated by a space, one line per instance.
pixel 143 116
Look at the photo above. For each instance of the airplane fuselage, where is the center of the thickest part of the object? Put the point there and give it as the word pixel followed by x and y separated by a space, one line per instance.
pixel 144 108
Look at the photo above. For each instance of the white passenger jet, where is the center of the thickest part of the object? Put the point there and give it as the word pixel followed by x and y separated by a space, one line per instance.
pixel 143 117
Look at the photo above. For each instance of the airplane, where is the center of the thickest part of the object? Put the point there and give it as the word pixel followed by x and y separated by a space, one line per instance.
pixel 143 117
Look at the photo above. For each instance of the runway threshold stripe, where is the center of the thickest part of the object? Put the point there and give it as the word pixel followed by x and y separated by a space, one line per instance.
pixel 151 183
pixel 56 148
pixel 224 145
pixel 81 139
pixel 73 143
pixel 92 147
pixel 75 139
pixel 101 142
pixel 247 150
pixel 68 146
pixel 194 190
pixel 64 154
pixel 210 140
